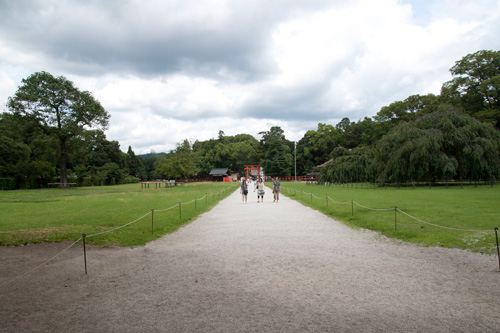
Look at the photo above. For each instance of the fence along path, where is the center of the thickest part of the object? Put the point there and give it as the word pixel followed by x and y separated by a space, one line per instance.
pixel 262 267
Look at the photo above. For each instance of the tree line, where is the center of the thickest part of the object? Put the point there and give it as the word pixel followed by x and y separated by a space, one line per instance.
pixel 53 132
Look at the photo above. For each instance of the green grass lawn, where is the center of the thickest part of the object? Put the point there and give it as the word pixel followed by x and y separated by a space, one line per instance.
pixel 472 208
pixel 51 215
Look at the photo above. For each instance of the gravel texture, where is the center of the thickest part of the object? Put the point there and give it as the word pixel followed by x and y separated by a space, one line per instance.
pixel 252 267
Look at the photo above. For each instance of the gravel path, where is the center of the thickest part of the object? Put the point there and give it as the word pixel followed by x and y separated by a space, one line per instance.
pixel 268 267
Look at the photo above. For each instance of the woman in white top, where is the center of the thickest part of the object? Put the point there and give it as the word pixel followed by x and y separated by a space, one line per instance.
pixel 260 190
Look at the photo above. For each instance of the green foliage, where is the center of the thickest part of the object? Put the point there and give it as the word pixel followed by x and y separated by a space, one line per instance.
pixel 349 166
pixel 58 108
pixel 441 145
pixel 408 109
pixel 316 146
pixel 177 165
pixel 475 86
pixel 226 152
pixel 277 159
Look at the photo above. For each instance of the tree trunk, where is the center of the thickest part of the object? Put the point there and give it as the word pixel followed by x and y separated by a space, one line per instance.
pixel 64 162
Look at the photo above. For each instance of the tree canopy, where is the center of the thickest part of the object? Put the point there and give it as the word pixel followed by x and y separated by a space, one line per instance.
pixel 58 108
pixel 53 130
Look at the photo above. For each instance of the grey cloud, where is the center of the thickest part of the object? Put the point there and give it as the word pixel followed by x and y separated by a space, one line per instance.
pixel 92 37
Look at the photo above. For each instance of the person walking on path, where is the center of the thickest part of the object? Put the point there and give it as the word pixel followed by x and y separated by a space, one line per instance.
pixel 244 189
pixel 260 190
pixel 276 189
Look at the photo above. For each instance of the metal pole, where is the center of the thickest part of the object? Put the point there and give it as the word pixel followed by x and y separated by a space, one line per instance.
pixel 295 144
pixel 180 210
pixel 194 203
pixel 352 207
pixel 326 195
pixel 498 251
pixel 84 252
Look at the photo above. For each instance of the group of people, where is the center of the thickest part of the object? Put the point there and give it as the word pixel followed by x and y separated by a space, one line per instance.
pixel 259 187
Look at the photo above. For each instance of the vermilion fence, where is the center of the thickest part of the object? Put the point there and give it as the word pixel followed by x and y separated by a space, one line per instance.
pixel 299 178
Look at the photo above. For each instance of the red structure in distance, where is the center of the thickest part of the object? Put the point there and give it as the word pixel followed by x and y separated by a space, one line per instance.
pixel 252 167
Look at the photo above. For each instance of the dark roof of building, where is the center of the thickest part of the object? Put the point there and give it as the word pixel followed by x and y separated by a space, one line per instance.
pixel 219 172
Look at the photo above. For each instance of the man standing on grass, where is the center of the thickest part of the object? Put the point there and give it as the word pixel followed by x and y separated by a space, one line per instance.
pixel 276 189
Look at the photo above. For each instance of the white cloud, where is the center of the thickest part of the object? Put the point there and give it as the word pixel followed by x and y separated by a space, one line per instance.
pixel 170 70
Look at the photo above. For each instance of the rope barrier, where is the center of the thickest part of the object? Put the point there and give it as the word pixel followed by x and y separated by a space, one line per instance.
pixel 377 209
pixel 37 267
pixel 338 202
pixel 390 209
pixel 100 233
pixel 187 203
pixel 107 231
pixel 163 210
pixel 440 226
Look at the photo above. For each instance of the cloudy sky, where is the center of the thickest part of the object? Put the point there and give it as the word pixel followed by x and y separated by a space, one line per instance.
pixel 184 69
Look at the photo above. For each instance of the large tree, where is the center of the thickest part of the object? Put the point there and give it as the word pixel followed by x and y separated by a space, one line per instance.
pixel 441 145
pixel 59 108
pixel 277 160
pixel 178 164
pixel 475 86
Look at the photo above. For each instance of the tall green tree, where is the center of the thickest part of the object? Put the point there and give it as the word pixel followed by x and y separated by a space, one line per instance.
pixel 316 146
pixel 475 86
pixel 277 159
pixel 59 109
pixel 134 164
pixel 408 109
pixel 178 164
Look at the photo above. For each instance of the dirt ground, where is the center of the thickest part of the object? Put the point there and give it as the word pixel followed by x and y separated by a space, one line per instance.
pixel 252 267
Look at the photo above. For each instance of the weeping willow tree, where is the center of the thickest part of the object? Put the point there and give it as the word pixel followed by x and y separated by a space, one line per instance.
pixel 442 145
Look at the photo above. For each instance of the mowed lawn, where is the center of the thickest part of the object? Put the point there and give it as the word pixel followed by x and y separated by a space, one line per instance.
pixel 470 207
pixel 51 215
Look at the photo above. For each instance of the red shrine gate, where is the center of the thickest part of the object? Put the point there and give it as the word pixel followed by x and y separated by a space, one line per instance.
pixel 252 167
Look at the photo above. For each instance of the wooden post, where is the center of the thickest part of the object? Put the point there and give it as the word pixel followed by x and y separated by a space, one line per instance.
pixel 395 218
pixel 84 253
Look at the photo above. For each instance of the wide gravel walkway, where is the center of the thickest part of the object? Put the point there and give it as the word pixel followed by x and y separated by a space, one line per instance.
pixel 268 267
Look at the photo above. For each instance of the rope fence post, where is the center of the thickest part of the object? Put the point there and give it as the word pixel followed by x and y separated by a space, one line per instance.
pixel 395 218
pixel 84 252
pixel 311 197
pixel 326 196
pixel 206 199
pixel 180 210
pixel 152 220
pixel 352 207
pixel 498 250
pixel 194 203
